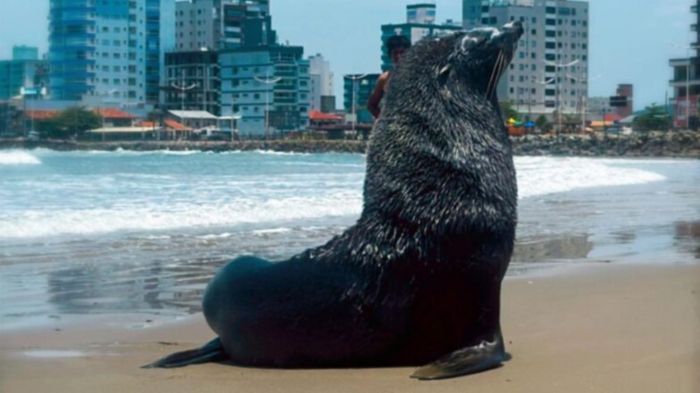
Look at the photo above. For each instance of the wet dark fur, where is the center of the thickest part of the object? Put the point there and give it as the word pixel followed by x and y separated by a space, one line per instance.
pixel 419 275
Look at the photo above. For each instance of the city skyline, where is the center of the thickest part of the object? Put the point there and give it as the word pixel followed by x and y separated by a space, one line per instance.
pixel 628 43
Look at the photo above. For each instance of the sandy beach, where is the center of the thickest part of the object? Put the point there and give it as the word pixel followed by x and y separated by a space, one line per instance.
pixel 591 328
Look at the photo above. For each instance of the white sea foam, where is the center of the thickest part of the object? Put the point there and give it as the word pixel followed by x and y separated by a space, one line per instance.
pixel 265 199
pixel 18 157
pixel 272 231
pixel 213 236
pixel 155 217
pixel 547 175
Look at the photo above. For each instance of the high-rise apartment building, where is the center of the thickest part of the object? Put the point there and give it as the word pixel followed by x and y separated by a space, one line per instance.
pixel 222 24
pixel 192 81
pixel 549 71
pixel 107 51
pixel 420 23
pixel 321 78
pixel 268 87
pixel 686 79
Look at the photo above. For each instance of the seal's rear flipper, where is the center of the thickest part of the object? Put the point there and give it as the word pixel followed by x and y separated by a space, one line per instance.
pixel 210 352
pixel 469 360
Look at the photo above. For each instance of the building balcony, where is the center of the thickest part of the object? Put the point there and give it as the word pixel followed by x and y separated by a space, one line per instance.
pixel 682 82
pixel 694 8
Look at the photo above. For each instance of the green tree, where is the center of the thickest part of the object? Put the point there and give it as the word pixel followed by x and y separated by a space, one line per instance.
pixel 507 111
pixel 71 122
pixel 542 123
pixel 654 117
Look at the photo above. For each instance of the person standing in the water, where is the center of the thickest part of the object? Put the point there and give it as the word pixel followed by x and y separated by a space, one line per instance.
pixel 396 46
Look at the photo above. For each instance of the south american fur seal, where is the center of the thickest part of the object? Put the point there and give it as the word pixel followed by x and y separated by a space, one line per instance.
pixel 417 280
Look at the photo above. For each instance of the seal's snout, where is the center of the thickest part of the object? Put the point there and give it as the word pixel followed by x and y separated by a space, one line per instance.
pixel 514 29
pixel 508 35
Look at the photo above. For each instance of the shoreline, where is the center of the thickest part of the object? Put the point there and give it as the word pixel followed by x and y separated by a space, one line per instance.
pixel 601 328
pixel 678 144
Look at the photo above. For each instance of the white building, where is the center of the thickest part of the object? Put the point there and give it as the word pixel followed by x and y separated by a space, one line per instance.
pixel 222 24
pixel 549 71
pixel 321 78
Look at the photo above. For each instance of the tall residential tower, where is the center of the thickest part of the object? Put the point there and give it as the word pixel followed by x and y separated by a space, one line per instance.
pixel 222 24
pixel 549 72
pixel 321 96
pixel 107 51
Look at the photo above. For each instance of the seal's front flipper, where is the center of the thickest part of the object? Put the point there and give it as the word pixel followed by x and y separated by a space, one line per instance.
pixel 210 352
pixel 469 360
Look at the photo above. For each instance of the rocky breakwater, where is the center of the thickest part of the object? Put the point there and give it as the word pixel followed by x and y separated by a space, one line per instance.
pixel 298 146
pixel 648 144
pixel 684 144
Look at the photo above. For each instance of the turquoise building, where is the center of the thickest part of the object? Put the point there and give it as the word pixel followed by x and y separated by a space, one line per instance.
pixel 108 51
pixel 359 88
pixel 262 82
pixel 24 70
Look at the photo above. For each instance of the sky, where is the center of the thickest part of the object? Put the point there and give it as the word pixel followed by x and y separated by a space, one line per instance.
pixel 631 41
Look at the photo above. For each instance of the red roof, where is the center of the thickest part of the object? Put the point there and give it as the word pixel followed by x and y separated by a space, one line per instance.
pixel 316 115
pixel 172 124
pixel 41 114
pixel 149 124
pixel 114 113
pixel 612 117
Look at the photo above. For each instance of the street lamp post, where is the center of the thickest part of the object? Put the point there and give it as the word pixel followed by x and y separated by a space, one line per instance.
pixel 269 81
pixel 182 88
pixel 545 83
pixel 556 76
pixel 354 79
pixel 24 93
pixel 582 80
pixel 102 101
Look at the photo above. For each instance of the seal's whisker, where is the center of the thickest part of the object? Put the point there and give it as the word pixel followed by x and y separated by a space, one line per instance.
pixel 494 84
pixel 495 73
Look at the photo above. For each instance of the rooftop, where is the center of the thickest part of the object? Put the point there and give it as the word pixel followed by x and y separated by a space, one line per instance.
pixel 114 113
pixel 41 114
pixel 174 125
pixel 317 116
pixel 193 115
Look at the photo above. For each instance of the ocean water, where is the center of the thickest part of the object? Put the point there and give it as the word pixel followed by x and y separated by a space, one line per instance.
pixel 142 232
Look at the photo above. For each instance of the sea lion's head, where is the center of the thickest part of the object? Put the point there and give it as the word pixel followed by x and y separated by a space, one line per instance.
pixel 480 56
pixel 455 67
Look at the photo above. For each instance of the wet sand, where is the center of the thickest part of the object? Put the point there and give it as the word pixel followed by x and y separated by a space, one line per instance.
pixel 590 328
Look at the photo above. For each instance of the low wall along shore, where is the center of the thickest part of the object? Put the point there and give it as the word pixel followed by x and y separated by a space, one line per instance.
pixel 653 144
